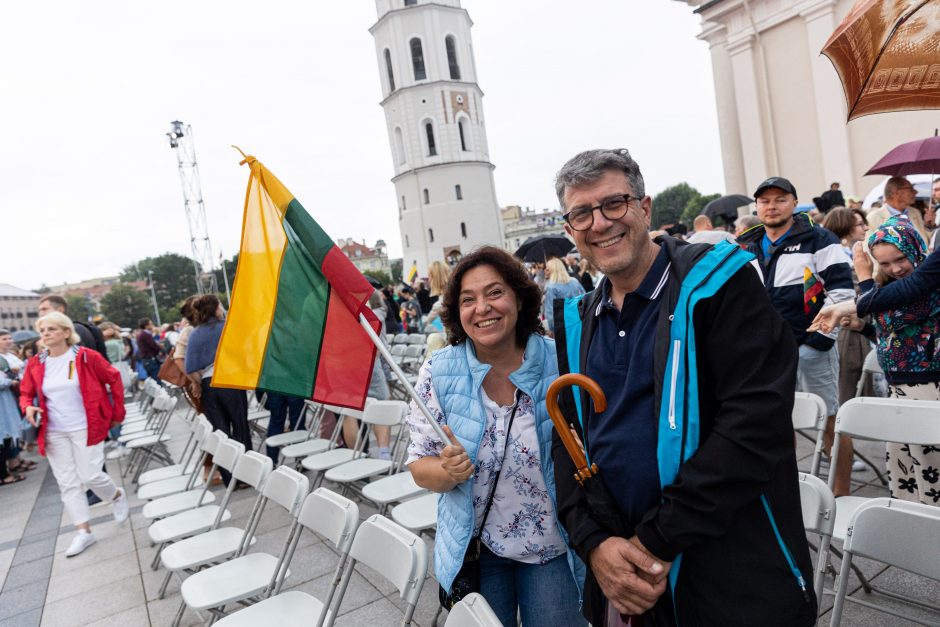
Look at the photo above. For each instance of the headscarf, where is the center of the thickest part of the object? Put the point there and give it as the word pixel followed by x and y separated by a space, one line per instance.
pixel 899 231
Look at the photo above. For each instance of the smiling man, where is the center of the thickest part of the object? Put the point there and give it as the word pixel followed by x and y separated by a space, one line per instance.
pixel 700 462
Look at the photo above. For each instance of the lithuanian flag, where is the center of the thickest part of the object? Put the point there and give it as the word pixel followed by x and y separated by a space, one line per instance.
pixel 812 288
pixel 293 326
pixel 413 273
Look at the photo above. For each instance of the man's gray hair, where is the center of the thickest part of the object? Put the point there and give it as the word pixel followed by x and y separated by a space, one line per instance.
pixel 590 165
pixel 893 185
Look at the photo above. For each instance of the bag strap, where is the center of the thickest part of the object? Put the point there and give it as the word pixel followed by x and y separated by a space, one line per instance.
pixel 489 501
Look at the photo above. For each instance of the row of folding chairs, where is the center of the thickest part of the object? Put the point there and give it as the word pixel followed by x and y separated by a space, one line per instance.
pixel 895 532
pixel 393 339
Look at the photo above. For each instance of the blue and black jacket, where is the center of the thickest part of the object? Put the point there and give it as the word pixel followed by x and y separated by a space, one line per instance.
pixel 725 375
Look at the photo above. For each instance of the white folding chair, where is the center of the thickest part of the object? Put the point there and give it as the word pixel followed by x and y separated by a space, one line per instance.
pixel 248 576
pixel 870 367
pixel 333 517
pixel 819 516
pixel 472 611
pixel 180 483
pixel 219 543
pixel 321 462
pixel 287 438
pixel 152 446
pixel 898 533
pixel 418 338
pixel 400 338
pixel 313 445
pixel 414 357
pixel 198 519
pixel 188 499
pixel 809 414
pixel 418 514
pixel 393 552
pixel 392 489
pixel 201 429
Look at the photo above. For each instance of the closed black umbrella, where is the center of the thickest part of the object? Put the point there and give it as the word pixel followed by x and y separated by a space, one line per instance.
pixel 726 207
pixel 374 282
pixel 543 247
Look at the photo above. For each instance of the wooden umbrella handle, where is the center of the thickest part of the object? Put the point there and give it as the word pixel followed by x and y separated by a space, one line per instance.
pixel 574 448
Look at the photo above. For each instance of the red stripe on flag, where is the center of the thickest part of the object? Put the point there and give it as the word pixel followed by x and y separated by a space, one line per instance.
pixel 353 288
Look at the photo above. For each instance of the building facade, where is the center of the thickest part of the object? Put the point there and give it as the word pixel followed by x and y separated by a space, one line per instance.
pixel 781 107
pixel 433 106
pixel 18 308
pixel 365 258
pixel 519 224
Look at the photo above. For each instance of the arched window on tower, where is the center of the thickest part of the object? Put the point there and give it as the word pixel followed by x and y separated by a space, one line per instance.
pixel 399 145
pixel 427 197
pixel 388 68
pixel 417 59
pixel 463 230
pixel 432 146
pixel 450 44
pixel 458 193
pixel 464 134
pixel 430 235
pixel 410 3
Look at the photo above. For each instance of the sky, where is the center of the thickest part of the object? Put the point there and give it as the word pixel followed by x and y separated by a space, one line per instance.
pixel 89 184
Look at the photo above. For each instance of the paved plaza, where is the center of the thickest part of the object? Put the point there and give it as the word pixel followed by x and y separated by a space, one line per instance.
pixel 111 583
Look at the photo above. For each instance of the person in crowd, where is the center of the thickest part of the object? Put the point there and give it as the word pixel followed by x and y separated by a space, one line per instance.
pixel 488 390
pixel 716 506
pixel 803 266
pixel 410 311
pixel 226 409
pixel 392 316
pixel 423 295
pixel 907 341
pixel 439 274
pixel 11 420
pixel 558 284
pixel 705 232
pixel 79 398
pixel 149 349
pixel 586 275
pixel 899 196
pixel 114 346
pixel 832 198
pixel 89 335
pixel 854 203
pixel 745 223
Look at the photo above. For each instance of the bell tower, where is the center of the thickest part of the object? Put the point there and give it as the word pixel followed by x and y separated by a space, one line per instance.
pixel 434 111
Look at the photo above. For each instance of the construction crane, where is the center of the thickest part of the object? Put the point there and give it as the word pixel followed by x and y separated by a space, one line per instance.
pixel 181 140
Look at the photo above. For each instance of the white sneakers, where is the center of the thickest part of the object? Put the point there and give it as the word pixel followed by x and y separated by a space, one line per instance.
pixel 119 507
pixel 81 541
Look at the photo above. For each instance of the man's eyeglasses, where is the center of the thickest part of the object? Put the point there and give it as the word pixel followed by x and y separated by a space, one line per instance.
pixel 613 208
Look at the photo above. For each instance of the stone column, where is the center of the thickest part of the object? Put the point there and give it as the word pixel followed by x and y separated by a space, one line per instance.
pixel 750 119
pixel 729 134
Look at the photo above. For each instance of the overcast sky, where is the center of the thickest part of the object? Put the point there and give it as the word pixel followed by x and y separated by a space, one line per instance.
pixel 89 182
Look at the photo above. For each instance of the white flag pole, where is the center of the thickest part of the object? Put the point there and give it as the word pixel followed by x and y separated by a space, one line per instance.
pixel 404 380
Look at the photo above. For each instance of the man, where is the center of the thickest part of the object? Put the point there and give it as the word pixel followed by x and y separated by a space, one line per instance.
pixel 899 196
pixel 410 311
pixel 90 335
pixel 744 223
pixel 803 265
pixel 701 462
pixel 705 232
pixel 832 198
pixel 148 348
pixel 930 216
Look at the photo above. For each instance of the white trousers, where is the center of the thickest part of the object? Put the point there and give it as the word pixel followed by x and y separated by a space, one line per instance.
pixel 78 467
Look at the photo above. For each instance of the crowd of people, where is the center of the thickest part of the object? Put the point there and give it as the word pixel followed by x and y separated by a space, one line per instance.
pixel 698 341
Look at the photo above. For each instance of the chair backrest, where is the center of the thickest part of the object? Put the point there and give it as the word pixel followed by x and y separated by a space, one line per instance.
pixel 332 516
pixel 890 420
pixel 818 505
pixel 227 453
pixel 400 338
pixel 897 533
pixel 418 338
pixel 808 411
pixel 394 552
pixel 212 442
pixel 415 352
pixel 398 350
pixel 871 364
pixel 286 487
pixel 388 413
pixel 354 413
pixel 253 468
pixel 472 611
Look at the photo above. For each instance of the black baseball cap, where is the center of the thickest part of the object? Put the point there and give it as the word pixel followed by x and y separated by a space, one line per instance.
pixel 778 182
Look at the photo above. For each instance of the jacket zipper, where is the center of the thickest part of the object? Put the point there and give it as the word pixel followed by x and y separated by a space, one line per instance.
pixel 676 346
pixel 801 582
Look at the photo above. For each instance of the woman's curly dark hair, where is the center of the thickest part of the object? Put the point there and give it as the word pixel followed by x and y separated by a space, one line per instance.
pixel 517 279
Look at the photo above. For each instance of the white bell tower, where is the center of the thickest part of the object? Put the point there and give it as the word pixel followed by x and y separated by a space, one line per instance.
pixel 434 110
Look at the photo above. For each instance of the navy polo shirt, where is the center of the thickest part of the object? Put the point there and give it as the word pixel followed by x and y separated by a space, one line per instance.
pixel 622 439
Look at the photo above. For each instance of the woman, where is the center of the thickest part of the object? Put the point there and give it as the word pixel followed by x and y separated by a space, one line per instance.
pixel 80 397
pixel 586 276
pixel 11 428
pixel 558 284
pixel 226 409
pixel 495 374
pixel 439 274
pixel 908 345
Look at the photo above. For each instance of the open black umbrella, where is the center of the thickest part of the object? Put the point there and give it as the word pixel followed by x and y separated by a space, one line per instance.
pixel 374 282
pixel 726 207
pixel 544 247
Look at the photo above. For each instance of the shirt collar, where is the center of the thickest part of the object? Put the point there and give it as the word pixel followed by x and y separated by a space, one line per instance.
pixel 895 212
pixel 649 288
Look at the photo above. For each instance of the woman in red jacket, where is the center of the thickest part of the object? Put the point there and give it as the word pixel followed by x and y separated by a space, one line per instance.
pixel 74 413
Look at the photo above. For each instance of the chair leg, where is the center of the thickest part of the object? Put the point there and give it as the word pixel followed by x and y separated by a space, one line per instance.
pixel 841 589
pixel 155 564
pixel 178 618
pixel 163 586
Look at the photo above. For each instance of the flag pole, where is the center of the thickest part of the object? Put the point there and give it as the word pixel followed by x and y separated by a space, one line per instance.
pixel 387 356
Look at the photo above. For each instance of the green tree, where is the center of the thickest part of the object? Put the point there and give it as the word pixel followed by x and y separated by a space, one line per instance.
pixel 382 277
pixel 79 307
pixel 125 305
pixel 396 271
pixel 173 279
pixel 695 206
pixel 670 204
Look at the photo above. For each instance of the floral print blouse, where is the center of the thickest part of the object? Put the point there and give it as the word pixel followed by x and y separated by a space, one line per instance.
pixel 521 523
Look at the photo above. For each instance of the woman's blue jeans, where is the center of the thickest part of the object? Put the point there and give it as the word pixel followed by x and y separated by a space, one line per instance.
pixel 544 594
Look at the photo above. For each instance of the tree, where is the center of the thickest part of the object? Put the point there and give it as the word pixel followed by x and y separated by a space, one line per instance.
pixel 126 305
pixel 80 308
pixel 670 204
pixel 396 271
pixel 695 207
pixel 174 279
pixel 382 277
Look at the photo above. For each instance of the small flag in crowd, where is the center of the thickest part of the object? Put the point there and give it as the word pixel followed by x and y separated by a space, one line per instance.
pixel 413 273
pixel 293 326
pixel 812 288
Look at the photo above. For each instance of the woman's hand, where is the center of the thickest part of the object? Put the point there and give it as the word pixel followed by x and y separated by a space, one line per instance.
pixel 454 459
pixel 31 413
pixel 862 262
pixel 852 322
pixel 830 316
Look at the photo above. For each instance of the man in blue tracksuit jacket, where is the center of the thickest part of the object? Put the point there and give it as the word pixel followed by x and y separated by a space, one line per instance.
pixel 696 443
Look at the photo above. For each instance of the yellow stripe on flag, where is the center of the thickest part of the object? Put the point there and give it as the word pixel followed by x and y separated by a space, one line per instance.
pixel 238 364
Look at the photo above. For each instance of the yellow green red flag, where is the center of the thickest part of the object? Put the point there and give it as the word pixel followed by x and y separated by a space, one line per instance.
pixel 293 326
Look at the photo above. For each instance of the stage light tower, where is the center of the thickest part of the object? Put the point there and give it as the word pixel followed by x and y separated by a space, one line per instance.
pixel 181 140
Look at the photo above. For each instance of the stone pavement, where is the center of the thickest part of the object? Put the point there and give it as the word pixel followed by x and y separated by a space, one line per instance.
pixel 111 583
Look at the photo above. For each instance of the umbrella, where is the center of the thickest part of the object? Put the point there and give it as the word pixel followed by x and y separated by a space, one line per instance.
pixel 542 247
pixel 26 335
pixel 726 207
pixel 374 282
pixel 885 54
pixel 917 157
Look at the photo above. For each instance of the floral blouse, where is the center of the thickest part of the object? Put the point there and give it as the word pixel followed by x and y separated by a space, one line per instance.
pixel 521 523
